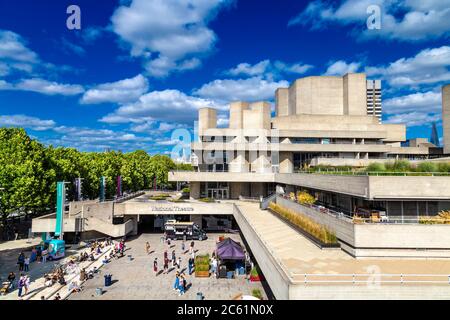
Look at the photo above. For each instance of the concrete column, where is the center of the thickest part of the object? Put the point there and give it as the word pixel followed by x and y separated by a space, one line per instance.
pixel 446 117
pixel 195 190
pixel 207 119
pixel 286 162
pixel 282 102
pixel 237 114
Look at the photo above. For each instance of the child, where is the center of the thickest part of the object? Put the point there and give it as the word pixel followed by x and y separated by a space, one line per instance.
pixel 155 265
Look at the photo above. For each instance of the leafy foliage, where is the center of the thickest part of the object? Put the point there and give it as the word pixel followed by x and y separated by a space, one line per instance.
pixel 29 172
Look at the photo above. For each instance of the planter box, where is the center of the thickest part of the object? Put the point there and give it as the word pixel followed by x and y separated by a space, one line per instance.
pixel 202 274
pixel 307 235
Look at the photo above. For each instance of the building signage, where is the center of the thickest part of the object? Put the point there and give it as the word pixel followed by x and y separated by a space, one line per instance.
pixel 172 209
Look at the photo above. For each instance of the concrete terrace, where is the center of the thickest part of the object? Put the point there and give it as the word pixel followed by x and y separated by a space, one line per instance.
pixel 297 256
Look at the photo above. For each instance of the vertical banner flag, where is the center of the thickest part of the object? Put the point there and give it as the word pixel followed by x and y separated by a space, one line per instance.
pixel 60 202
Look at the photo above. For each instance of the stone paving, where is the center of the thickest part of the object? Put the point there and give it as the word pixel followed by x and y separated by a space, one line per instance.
pixel 136 280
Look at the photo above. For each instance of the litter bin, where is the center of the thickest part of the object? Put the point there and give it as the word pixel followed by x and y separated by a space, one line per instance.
pixel 108 280
pixel 98 292
pixel 199 296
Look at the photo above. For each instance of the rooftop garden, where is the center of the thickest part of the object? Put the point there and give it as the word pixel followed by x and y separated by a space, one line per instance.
pixel 398 167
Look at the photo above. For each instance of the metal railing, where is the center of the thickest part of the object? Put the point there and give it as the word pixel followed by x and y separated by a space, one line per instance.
pixel 373 173
pixel 370 278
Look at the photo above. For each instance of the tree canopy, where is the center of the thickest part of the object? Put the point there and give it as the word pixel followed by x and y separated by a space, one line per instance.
pixel 29 172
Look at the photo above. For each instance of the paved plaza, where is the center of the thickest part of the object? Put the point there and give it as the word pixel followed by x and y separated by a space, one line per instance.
pixel 135 279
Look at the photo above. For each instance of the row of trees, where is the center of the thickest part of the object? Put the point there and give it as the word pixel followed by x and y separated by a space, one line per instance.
pixel 29 172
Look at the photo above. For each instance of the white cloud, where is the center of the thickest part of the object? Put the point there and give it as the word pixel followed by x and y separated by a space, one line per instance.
pixel 167 106
pixel 427 67
pixel 123 91
pixel 413 119
pixel 250 70
pixel 409 20
pixel 166 34
pixel 268 69
pixel 48 88
pixel 26 122
pixel 419 102
pixel 251 89
pixel 14 54
pixel 340 67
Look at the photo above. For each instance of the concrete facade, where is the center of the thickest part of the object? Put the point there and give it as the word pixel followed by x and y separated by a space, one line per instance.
pixel 446 117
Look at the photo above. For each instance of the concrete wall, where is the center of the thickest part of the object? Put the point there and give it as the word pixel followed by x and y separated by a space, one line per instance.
pixel 317 95
pixel 282 102
pixel 355 97
pixel 169 208
pixel 237 114
pixel 207 119
pixel 446 117
pixel 426 187
pixel 272 269
pixel 258 116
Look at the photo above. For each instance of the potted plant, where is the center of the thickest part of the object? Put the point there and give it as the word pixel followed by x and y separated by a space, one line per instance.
pixel 255 276
pixel 185 192
pixel 257 294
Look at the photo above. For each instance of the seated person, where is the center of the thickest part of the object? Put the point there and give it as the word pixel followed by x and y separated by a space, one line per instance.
pixel 74 287
pixel 61 280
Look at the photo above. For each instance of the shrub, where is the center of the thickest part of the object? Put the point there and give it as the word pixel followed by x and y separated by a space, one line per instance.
pixel 427 167
pixel 257 294
pixel 254 272
pixel 207 200
pixel 186 190
pixel 444 167
pixel 398 166
pixel 292 196
pixel 443 217
pixel 376 167
pixel 304 197
pixel 305 223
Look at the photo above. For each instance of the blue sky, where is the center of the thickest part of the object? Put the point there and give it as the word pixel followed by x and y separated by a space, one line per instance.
pixel 139 69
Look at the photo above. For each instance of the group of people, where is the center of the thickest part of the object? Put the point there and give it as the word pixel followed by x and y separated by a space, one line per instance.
pixel 180 284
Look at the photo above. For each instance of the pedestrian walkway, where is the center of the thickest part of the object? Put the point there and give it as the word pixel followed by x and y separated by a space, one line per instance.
pixel 300 256
pixel 19 244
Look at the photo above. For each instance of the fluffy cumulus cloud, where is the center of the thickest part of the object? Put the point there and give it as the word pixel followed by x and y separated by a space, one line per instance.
pixel 414 119
pixel 27 122
pixel 167 106
pixel 123 91
pixel 340 67
pixel 14 54
pixel 429 66
pixel 43 86
pixel 268 69
pixel 427 102
pixel 169 35
pixel 408 20
pixel 251 89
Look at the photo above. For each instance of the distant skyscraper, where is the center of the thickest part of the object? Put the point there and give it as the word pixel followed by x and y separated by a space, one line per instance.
pixel 374 99
pixel 434 135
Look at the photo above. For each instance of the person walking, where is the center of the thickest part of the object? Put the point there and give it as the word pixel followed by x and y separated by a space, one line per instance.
pixel 190 265
pixel 176 284
pixel 11 280
pixel 181 285
pixel 20 285
pixel 179 263
pixel 27 284
pixel 173 258
pixel 26 264
pixel 166 265
pixel 214 266
pixel 155 265
pixel 21 261
pixel 183 246
pixel 147 247
pixel 44 255
pixel 191 247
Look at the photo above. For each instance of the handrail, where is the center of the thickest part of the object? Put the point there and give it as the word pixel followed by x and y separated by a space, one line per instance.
pixel 375 173
pixel 356 278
